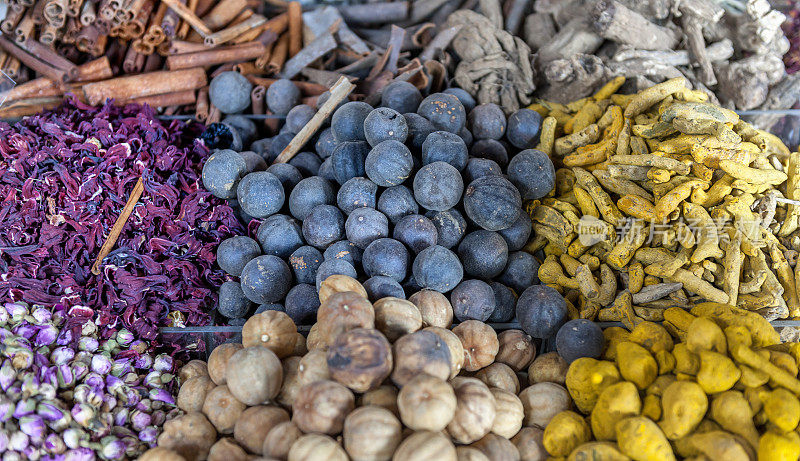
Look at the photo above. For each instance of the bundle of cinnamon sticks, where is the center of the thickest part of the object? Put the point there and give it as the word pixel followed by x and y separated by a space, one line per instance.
pixel 165 52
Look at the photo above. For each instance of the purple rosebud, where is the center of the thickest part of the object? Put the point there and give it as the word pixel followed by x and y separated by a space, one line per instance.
pixel 132 397
pixel 32 425
pixel 159 417
pixel 131 379
pixel 121 416
pixel 41 315
pixel 3 435
pixel 112 448
pixel 54 444
pixel 140 420
pixel 149 435
pixel 144 362
pixel 110 345
pixel 6 409
pixel 17 311
pixel 8 374
pixel 84 356
pixel 14 391
pixel 101 364
pixel 30 383
pixel 62 355
pixel 88 328
pixel 153 379
pixel 73 437
pixel 25 330
pixel 121 366
pixel 64 338
pixel 139 346
pixel 82 413
pixel 50 411
pixel 18 441
pixel 94 380
pixel 65 376
pixel 163 363
pixel 47 391
pixel 4 315
pixel 32 453
pixel 49 377
pixel 46 336
pixel 145 405
pixel 80 370
pixel 24 407
pixel 88 344
pixel 114 385
pixel 5 335
pixel 109 402
pixel 21 356
pixel 124 337
pixel 80 454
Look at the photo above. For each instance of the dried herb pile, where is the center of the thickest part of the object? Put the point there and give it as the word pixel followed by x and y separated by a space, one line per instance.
pixel 792 30
pixel 64 177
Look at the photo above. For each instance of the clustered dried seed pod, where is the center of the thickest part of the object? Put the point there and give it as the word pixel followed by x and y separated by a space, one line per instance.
pixel 366 397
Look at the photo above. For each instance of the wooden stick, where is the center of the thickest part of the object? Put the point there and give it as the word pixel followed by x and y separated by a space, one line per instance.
pixel 187 15
pixel 339 92
pixel 227 54
pixel 111 240
pixel 228 34
pixel 295 14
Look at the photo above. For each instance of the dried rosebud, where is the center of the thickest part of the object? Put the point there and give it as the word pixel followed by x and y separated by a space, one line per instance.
pixel 131 379
pixel 14 391
pixel 49 410
pixel 41 315
pixel 3 435
pixel 88 328
pixel 163 363
pixel 80 454
pixel 110 345
pixel 140 420
pixel 160 395
pixel 25 330
pixel 62 355
pixel 112 448
pixel 84 357
pixel 101 364
pixel 149 435
pixel 82 413
pixel 6 409
pixel 30 383
pixel 18 441
pixel 145 405
pixel 80 370
pixel 139 346
pixel 21 357
pixel 153 379
pixel 94 380
pixel 88 344
pixel 54 444
pixel 46 336
pixel 8 374
pixel 159 417
pixel 132 397
pixel 121 415
pixel 17 311
pixel 64 338
pixel 47 391
pixel 33 425
pixel 109 402
pixel 143 362
pixel 65 376
pixel 124 337
pixel 73 437
pixel 24 407
pixel 4 316
pixel 121 367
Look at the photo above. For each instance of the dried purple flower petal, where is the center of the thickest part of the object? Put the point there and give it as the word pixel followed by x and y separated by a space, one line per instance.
pixel 54 444
pixel 50 410
pixel 80 454
pixel 124 337
pixel 41 315
pixel 24 407
pixel 62 355
pixel 17 311
pixel 89 344
pixel 33 425
pixel 101 364
pixel 7 375
pixel 163 363
pixel 148 435
pixel 161 395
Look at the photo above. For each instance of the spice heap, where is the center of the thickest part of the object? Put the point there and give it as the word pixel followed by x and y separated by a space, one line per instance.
pixel 792 30
pixel 731 49
pixel 68 394
pixel 66 174
pixel 164 53
pixel 399 196
pixel 373 381
pixel 715 383
pixel 663 199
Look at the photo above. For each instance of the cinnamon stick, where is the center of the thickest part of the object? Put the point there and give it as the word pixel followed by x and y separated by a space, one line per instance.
pixel 228 34
pixel 257 96
pixel 214 114
pixel 33 62
pixel 247 68
pixel 24 28
pixel 223 13
pixel 183 30
pixel 181 47
pixel 187 15
pixel 28 107
pixel 278 55
pixel 201 106
pixel 48 55
pixel 295 17
pixel 9 24
pixel 88 12
pixel 176 98
pixel 111 240
pixel 243 52
pixel 277 25
pixel 137 86
pixel 339 92
pixel 263 60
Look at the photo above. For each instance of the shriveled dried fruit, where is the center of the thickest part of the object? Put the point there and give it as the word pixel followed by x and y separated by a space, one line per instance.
pixel 453 344
pixel 339 283
pixel 509 413
pixel 396 317
pixel 516 350
pixel 316 447
pixel 222 409
pixel 371 433
pixel 499 375
pixel 434 307
pixel 420 352
pixel 343 312
pixel 280 439
pixel 475 410
pixel 322 407
pixel 480 344
pixel 426 445
pixel 218 362
pixel 272 329
pixel 360 359
pixel 190 435
pixel 426 403
pixel 254 375
pixel 255 423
